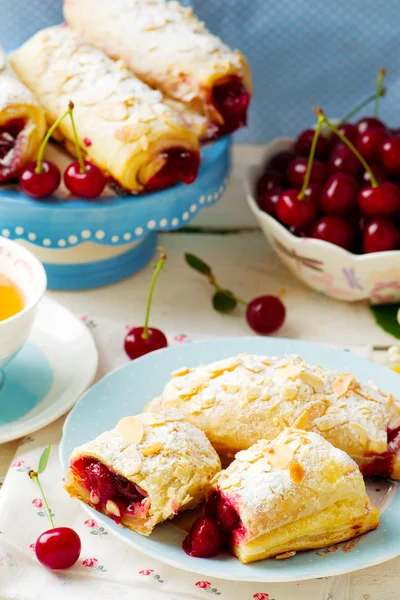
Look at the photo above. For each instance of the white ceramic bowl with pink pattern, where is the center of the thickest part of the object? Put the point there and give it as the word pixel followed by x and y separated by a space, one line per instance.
pixel 324 267
pixel 28 274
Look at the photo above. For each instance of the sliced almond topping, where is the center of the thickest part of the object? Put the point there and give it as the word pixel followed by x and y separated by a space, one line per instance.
pixel 94 499
pixel 291 371
pixel 113 508
pixel 112 111
pixel 231 388
pixel 279 456
pixel 330 421
pixel 251 393
pixel 181 473
pixel 296 472
pixel 186 500
pixel 150 419
pixel 131 133
pixel 131 429
pixel 250 456
pixel 230 481
pixel 301 421
pixel 342 384
pixel 180 372
pixel 208 403
pixel 361 432
pixel 294 443
pixel 313 380
pixel 285 555
pixel 152 449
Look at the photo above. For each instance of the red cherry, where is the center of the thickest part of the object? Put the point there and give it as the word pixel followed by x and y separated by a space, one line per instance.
pixel 349 130
pixel 100 480
pixel 39 185
pixel 268 200
pixel 265 314
pixel 380 235
pixel 89 184
pixel 335 230
pixel 369 142
pixel 136 346
pixel 204 539
pixel 304 141
pixel 379 173
pixel 297 168
pixel 383 201
pixel 227 516
pixel 343 159
pixel 369 123
pixel 339 197
pixel 390 155
pixel 58 548
pixel 268 180
pixel 302 233
pixel 280 161
pixel 294 212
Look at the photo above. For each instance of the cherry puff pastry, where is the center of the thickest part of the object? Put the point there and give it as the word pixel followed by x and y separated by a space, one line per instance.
pixel 123 126
pixel 22 123
pixel 238 401
pixel 171 50
pixel 145 470
pixel 297 492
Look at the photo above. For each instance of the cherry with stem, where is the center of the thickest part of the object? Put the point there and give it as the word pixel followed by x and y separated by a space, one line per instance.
pixel 58 547
pixel 142 340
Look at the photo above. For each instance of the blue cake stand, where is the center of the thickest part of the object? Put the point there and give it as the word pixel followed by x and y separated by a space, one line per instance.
pixel 90 244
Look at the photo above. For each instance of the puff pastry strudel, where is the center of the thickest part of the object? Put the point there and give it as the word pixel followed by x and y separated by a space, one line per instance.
pixel 170 49
pixel 22 122
pixel 145 470
pixel 241 400
pixel 124 126
pixel 297 492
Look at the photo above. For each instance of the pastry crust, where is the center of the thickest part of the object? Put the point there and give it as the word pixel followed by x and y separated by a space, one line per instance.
pixel 129 126
pixel 281 511
pixel 170 461
pixel 266 394
pixel 18 103
pixel 164 44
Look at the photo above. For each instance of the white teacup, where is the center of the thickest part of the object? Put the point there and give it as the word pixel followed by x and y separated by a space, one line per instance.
pixel 28 274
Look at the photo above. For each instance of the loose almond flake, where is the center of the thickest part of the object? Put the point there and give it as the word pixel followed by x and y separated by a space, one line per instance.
pixel 279 456
pixel 296 472
pixel 285 555
pixel 342 384
pixel 131 429
pixel 301 421
pixel 113 508
pixel 291 372
pixel 312 380
pixel 111 111
pixel 152 449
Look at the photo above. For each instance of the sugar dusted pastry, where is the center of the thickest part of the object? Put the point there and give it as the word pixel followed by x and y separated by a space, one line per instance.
pixel 22 122
pixel 145 470
pixel 124 126
pixel 240 400
pixel 297 492
pixel 170 49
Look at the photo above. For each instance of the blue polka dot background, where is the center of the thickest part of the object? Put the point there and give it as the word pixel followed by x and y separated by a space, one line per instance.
pixel 302 53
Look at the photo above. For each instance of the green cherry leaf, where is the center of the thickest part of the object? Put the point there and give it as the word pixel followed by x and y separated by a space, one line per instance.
pixel 44 459
pixel 386 317
pixel 224 301
pixel 197 264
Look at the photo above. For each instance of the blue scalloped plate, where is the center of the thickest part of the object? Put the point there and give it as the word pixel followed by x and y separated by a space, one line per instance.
pixel 128 389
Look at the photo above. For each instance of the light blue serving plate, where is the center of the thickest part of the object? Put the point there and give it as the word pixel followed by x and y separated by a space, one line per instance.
pixel 127 390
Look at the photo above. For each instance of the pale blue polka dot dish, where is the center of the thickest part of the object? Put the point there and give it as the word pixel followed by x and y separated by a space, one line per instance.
pixel 127 390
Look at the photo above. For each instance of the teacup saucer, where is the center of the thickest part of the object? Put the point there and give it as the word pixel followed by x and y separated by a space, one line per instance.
pixel 47 377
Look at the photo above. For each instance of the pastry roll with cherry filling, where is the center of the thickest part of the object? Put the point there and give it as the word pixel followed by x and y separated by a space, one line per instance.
pixel 123 126
pixel 22 123
pixel 145 470
pixel 171 50
pixel 297 492
pixel 238 401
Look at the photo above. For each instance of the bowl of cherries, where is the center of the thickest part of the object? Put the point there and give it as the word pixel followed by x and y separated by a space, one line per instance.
pixel 329 205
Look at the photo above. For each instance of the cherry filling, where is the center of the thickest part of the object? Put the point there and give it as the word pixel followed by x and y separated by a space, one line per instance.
pixel 104 485
pixel 181 165
pixel 210 533
pixel 382 465
pixel 232 100
pixel 11 148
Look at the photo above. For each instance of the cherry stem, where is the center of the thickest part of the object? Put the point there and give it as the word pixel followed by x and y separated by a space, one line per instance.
pixel 35 476
pixel 82 167
pixel 311 158
pixel 362 104
pixel 48 135
pixel 348 143
pixel 379 81
pixel 159 266
pixel 213 281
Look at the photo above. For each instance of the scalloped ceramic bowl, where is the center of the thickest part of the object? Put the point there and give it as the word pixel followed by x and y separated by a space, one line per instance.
pixel 324 267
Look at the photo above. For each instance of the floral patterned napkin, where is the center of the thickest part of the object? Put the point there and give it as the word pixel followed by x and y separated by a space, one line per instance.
pixel 107 569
